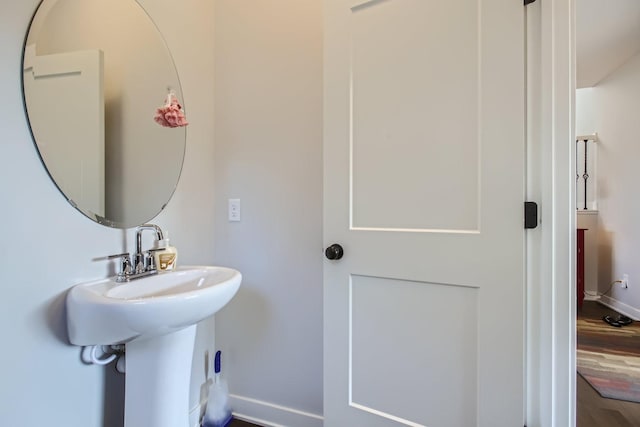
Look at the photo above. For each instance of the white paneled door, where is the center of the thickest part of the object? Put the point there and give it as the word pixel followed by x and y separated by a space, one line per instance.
pixel 69 130
pixel 424 190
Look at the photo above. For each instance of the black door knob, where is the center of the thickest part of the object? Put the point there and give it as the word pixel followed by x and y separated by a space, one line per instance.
pixel 334 252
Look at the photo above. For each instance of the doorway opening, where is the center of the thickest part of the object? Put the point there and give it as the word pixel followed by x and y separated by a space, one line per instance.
pixel 607 80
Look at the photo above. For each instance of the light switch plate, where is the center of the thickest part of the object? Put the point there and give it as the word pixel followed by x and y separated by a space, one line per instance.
pixel 234 210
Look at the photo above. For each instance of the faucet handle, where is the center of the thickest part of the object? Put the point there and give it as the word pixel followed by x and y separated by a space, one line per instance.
pixel 125 264
pixel 150 259
pixel 124 254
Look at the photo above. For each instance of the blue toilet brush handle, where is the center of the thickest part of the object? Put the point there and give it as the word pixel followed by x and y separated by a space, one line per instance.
pixel 216 362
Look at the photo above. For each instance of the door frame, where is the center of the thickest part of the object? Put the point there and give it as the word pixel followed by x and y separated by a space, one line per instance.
pixel 551 299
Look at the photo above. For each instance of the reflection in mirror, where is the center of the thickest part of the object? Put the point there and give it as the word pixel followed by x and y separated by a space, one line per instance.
pixel 94 75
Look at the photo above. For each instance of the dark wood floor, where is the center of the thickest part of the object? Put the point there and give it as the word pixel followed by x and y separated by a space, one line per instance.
pixel 592 410
pixel 240 423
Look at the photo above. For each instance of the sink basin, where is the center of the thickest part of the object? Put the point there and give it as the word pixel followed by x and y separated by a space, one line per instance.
pixel 105 312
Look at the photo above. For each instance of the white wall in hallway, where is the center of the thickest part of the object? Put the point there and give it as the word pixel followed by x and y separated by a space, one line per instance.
pixel 585 112
pixel 614 110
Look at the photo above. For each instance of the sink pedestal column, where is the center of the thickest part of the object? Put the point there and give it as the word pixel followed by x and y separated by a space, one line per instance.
pixel 157 382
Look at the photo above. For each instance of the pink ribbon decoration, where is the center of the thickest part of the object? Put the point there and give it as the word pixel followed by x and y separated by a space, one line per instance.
pixel 170 114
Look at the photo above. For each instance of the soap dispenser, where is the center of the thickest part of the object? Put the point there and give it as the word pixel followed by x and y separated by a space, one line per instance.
pixel 166 256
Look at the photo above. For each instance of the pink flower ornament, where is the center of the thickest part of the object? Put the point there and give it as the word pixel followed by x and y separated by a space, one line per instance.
pixel 170 114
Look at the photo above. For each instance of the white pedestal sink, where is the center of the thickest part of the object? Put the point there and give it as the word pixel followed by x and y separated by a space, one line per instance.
pixel 155 318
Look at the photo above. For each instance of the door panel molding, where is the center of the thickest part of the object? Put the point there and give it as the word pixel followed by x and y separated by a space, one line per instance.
pixel 426 130
pixel 445 315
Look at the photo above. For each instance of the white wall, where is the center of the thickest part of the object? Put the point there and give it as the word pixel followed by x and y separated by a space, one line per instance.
pixel 615 106
pixel 268 121
pixel 48 246
pixel 585 112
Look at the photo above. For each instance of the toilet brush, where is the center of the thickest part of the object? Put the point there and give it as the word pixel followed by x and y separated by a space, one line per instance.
pixel 218 413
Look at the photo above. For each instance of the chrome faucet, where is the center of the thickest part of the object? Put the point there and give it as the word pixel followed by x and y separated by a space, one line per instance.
pixel 143 264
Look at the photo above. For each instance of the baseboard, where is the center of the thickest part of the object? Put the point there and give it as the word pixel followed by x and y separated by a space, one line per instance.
pixel 270 415
pixel 591 297
pixel 620 307
pixel 194 416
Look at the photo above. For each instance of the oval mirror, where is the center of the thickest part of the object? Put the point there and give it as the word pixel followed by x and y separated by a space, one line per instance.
pixel 94 74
